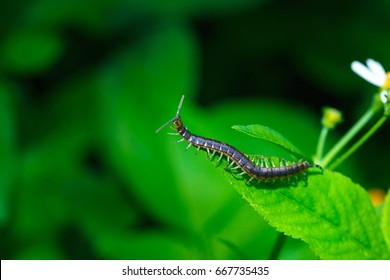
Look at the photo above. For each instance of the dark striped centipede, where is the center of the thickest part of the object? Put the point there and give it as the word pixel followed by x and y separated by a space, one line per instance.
pixel 253 170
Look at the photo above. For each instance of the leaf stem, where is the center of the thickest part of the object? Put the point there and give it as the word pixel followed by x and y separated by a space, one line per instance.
pixel 364 138
pixel 348 136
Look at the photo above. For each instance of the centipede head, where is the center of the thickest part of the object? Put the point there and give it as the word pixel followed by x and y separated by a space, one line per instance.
pixel 176 120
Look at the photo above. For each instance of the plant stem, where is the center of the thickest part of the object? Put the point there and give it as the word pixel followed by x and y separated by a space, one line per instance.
pixel 321 144
pixel 347 137
pixel 368 134
pixel 278 246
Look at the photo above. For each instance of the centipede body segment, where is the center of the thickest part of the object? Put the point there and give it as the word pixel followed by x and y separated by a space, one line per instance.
pixel 254 170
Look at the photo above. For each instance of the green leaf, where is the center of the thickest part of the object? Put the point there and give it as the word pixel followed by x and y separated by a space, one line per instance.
pixel 270 135
pixel 131 88
pixel 147 245
pixel 29 51
pixel 386 220
pixel 331 214
pixel 7 149
pixel 191 7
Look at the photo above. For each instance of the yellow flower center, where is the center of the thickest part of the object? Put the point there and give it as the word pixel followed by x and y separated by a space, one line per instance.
pixel 387 82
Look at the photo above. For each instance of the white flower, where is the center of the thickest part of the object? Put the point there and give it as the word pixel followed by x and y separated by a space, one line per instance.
pixel 375 74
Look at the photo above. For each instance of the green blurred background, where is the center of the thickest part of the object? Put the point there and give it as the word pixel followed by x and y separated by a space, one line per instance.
pixel 85 84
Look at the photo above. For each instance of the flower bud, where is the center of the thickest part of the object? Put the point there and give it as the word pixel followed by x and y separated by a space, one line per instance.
pixel 331 117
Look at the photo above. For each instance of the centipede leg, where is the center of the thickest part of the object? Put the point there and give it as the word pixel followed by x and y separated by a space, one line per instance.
pixel 268 182
pixel 235 167
pixel 212 154
pixel 263 162
pixel 230 165
pixel 295 180
pixel 189 145
pixel 220 157
pixel 227 167
pixel 247 182
pixel 304 177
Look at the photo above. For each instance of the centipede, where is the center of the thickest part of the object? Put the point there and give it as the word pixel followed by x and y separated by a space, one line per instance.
pixel 257 168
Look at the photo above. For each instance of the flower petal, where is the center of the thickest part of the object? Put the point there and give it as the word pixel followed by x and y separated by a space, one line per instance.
pixel 377 69
pixel 365 73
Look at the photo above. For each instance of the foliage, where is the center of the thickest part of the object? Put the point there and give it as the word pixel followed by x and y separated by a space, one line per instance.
pixel 270 135
pixel 331 213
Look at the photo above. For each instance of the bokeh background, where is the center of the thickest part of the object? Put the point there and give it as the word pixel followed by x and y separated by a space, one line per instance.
pixel 85 84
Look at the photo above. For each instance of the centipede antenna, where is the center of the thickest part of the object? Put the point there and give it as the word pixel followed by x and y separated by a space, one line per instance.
pixel 177 114
pixel 180 103
pixel 164 125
